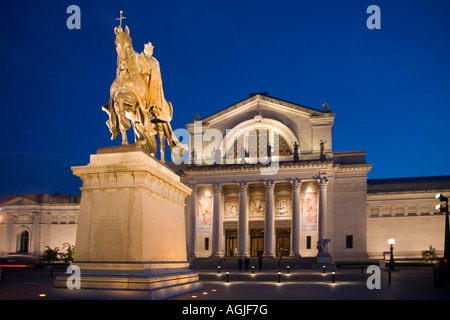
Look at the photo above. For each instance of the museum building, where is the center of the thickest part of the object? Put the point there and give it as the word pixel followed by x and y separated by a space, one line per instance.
pixel 265 182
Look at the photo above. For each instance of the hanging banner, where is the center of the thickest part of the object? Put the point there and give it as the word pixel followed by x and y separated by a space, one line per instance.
pixel 308 220
pixel 204 212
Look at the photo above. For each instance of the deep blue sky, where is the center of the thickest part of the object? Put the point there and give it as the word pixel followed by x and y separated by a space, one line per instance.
pixel 389 88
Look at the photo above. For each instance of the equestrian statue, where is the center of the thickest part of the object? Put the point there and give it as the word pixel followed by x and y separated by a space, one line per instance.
pixel 137 99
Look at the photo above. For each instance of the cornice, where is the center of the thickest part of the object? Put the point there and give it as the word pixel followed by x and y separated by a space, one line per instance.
pixel 129 167
pixel 248 168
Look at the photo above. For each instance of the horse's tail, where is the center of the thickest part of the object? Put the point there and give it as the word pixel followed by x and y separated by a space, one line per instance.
pixel 173 141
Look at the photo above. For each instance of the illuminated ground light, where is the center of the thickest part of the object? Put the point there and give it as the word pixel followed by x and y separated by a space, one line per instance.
pixel 194 297
pixel 42 295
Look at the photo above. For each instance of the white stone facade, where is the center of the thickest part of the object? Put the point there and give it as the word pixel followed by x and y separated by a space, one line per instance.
pixel 241 206
pixel 404 209
pixel 30 223
pixel 314 193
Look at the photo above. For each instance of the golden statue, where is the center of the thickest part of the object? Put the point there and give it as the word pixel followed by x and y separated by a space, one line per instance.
pixel 137 99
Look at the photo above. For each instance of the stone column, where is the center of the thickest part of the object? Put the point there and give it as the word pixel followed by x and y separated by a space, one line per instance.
pixel 269 227
pixel 37 236
pixel 10 239
pixel 192 221
pixel 295 222
pixel 323 209
pixel 243 220
pixel 217 222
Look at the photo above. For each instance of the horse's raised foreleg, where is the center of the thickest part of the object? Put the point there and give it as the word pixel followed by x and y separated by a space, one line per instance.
pixel 124 137
pixel 124 123
pixel 162 145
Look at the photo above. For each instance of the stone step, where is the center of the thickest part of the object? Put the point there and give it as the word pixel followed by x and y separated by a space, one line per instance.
pixel 231 263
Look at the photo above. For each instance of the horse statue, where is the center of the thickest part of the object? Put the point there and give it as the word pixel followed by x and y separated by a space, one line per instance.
pixel 322 245
pixel 137 99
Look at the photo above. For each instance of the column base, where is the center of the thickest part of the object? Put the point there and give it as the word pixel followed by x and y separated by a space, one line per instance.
pixel 243 255
pixel 217 255
pixel 269 255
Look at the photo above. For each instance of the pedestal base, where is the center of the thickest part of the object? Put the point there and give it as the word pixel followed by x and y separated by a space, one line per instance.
pixel 122 285
pixel 131 241
pixel 323 259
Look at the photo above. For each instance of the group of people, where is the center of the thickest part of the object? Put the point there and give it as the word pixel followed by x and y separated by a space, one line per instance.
pixel 246 263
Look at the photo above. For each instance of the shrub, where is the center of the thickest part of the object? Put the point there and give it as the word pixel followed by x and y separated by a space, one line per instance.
pixel 70 251
pixel 429 255
pixel 49 255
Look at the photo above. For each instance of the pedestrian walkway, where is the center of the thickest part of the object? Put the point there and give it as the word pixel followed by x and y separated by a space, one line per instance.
pixel 409 283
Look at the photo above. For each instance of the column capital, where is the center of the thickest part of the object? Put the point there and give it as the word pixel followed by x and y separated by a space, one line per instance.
pixel 269 185
pixel 296 184
pixel 217 187
pixel 193 186
pixel 323 182
pixel 243 186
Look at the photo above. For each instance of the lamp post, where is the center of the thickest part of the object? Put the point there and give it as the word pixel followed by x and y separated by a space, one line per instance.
pixel 391 260
pixel 441 208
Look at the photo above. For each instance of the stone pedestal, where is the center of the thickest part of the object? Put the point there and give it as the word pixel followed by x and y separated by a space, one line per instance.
pixel 131 241
pixel 324 259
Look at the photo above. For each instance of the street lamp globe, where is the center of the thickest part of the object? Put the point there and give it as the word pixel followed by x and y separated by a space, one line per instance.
pixel 391 241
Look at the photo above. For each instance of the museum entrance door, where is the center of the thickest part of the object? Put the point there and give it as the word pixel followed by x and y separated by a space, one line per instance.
pixel 257 243
pixel 283 242
pixel 231 243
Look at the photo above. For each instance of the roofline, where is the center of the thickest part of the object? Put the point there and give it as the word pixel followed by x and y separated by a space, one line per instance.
pixel 406 179
pixel 265 97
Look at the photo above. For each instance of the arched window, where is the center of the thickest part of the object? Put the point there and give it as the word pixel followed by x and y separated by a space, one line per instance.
pixel 257 143
pixel 24 241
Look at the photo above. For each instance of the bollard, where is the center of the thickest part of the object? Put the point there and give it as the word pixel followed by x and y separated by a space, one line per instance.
pixel 288 269
pixel 323 268
pixel 362 268
pixel 1 274
pixel 227 277
pixel 332 276
pixel 389 279
pixel 253 269
pixel 279 277
pixel 218 269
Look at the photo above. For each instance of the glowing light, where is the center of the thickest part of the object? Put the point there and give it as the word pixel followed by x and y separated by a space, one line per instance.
pixel 42 295
pixel 391 241
pixel 438 207
pixel 204 292
pixel 440 197
pixel 194 297
pixel 13 265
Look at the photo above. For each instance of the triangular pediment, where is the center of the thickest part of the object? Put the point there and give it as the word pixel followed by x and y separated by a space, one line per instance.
pixel 299 125
pixel 256 101
pixel 19 201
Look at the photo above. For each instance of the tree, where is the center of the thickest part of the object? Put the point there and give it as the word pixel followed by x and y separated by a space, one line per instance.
pixel 429 255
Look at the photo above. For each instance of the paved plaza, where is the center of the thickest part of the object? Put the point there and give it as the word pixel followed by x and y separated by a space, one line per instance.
pixel 408 283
